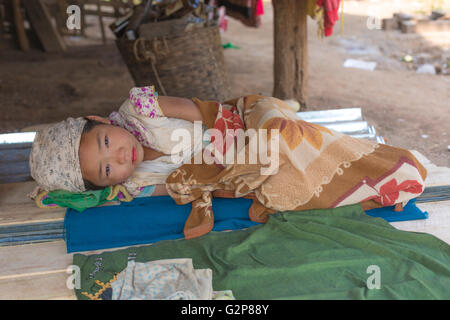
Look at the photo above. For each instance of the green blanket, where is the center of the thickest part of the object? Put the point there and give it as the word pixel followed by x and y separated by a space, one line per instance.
pixel 337 253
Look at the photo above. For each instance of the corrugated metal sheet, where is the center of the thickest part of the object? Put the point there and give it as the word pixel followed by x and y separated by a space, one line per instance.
pixel 348 121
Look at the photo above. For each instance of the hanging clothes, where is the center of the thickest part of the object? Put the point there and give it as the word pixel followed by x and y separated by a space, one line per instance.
pixel 331 8
pixel 325 12
pixel 247 11
pixel 259 8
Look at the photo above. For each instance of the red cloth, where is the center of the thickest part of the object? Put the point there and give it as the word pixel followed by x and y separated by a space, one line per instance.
pixel 331 8
pixel 259 8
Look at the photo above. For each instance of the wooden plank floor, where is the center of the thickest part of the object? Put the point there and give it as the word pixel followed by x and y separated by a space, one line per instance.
pixel 16 207
pixel 39 270
pixel 35 271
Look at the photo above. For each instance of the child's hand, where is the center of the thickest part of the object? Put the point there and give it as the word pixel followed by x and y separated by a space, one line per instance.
pixel 99 119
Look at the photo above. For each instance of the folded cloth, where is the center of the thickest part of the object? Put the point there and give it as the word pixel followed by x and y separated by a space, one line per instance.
pixel 80 201
pixel 171 279
pixel 409 212
pixel 144 220
pixel 339 253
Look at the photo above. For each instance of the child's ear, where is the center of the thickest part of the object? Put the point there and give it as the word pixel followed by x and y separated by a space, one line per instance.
pixel 99 119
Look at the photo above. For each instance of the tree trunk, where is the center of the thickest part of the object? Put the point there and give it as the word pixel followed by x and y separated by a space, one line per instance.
pixel 290 50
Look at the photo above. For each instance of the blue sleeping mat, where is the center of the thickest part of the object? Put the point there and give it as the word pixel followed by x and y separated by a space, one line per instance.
pixel 150 219
pixel 143 221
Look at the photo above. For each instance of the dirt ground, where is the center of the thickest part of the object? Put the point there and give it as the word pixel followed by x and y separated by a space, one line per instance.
pixel 408 109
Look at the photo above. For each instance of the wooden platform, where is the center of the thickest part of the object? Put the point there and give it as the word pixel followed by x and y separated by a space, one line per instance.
pixel 39 270
pixel 34 264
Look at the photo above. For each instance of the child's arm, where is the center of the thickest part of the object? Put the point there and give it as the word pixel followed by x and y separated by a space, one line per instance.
pixel 181 108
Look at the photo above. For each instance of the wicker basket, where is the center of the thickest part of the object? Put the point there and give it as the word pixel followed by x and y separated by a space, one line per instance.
pixel 188 64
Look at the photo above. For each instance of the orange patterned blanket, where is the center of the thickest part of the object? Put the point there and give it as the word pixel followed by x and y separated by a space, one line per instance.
pixel 261 149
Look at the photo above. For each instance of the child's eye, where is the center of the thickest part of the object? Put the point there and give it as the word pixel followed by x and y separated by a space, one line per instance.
pixel 107 169
pixel 106 141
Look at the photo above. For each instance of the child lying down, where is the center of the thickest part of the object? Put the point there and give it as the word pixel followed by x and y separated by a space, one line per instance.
pixel 94 152
pixel 315 167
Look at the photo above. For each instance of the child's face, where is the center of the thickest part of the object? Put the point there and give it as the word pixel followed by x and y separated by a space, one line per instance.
pixel 109 155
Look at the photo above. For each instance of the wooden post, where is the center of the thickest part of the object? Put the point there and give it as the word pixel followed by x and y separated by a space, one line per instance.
pixel 40 20
pixel 61 16
pixel 116 5
pixel 290 50
pixel 100 19
pixel 81 3
pixel 20 28
pixel 2 20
